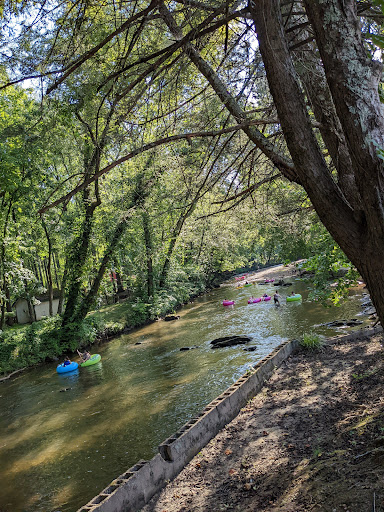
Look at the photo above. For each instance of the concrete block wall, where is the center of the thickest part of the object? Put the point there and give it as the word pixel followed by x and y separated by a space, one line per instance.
pixel 133 489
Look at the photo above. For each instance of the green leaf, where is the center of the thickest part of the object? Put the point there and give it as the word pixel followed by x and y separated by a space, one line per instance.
pixel 377 40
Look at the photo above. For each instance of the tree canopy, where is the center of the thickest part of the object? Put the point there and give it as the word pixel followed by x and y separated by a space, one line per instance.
pixel 201 135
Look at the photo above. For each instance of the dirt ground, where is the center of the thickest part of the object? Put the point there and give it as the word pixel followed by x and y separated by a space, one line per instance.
pixel 311 440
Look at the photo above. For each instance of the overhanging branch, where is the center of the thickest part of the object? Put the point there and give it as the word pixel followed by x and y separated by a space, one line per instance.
pixel 249 190
pixel 142 149
pixel 106 40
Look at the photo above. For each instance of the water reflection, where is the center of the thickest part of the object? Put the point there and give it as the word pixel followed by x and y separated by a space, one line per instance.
pixel 69 378
pixel 64 437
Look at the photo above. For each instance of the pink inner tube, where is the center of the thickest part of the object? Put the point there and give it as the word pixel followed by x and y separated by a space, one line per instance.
pixel 259 299
pixel 269 281
pixel 228 302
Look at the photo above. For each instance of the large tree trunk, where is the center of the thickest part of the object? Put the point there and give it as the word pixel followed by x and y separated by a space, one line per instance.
pixel 358 232
pixel 89 300
pixel 77 261
pixel 311 72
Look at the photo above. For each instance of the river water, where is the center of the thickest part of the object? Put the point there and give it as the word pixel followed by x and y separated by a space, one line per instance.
pixel 60 448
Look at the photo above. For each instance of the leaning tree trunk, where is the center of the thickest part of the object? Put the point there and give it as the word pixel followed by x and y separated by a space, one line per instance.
pixel 357 227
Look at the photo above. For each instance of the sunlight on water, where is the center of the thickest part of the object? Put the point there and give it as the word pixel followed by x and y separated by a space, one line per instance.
pixel 66 437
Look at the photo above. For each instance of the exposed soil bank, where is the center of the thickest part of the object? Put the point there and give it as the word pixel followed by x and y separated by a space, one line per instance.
pixel 311 440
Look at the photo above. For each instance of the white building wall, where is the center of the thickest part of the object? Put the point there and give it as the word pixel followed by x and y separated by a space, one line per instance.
pixel 22 314
pixel 42 309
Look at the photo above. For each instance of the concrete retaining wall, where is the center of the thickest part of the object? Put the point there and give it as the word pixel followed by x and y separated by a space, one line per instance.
pixel 134 488
pixel 361 333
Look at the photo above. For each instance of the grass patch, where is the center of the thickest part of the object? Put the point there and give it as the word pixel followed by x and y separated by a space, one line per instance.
pixel 368 373
pixel 311 341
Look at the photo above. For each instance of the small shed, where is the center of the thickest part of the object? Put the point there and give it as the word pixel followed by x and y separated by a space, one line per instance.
pixel 41 307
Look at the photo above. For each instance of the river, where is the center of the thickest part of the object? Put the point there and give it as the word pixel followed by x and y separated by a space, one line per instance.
pixel 63 438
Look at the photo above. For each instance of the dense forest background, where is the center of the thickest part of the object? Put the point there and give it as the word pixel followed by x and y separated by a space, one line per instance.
pixel 127 173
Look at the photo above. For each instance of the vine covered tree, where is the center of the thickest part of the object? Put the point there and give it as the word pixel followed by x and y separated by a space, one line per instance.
pixel 299 78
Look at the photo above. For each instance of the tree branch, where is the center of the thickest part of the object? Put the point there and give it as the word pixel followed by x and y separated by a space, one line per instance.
pixel 284 164
pixel 200 31
pixel 249 190
pixel 96 48
pixel 137 151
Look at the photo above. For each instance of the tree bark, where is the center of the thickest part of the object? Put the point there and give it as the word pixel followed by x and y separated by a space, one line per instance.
pixel 88 301
pixel 49 268
pixel 148 253
pixel 353 80
pixel 311 72
pixel 77 261
pixel 358 232
pixel 10 320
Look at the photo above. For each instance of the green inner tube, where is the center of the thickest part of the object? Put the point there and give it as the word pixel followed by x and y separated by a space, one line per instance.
pixel 92 360
pixel 291 298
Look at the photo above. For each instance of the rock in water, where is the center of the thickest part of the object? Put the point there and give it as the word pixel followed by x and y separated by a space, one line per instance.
pixel 229 341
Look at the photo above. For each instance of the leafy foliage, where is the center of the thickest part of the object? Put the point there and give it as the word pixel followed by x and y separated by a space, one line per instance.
pixel 332 272
pixel 160 227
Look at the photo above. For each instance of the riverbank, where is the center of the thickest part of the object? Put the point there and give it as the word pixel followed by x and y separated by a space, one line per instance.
pixel 29 345
pixel 311 440
pixel 26 346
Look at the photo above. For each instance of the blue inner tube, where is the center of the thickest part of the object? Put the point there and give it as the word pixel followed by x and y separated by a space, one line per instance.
pixel 68 368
